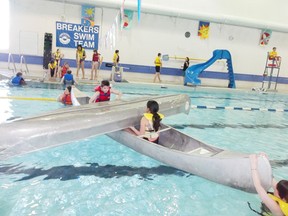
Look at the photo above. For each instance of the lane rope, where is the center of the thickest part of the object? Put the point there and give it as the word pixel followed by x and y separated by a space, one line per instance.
pixel 27 98
pixel 192 106
pixel 238 108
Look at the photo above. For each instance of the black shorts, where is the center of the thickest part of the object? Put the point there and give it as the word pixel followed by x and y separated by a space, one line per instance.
pixel 157 68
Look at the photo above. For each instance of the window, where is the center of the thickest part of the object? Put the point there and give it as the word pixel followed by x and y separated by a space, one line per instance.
pixel 4 23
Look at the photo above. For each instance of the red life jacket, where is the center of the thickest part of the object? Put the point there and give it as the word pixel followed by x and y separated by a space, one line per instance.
pixel 95 57
pixel 102 96
pixel 67 100
pixel 64 70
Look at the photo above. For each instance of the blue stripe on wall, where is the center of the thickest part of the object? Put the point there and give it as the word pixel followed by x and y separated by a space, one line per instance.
pixel 38 60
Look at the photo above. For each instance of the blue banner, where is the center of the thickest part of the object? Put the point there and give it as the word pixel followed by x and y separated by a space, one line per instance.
pixel 70 35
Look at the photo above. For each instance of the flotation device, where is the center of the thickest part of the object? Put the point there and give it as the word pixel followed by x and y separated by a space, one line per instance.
pixel 64 70
pixel 52 65
pixel 81 54
pixel 67 100
pixel 95 57
pixel 16 80
pixel 151 134
pixel 102 96
pixel 149 116
pixel 57 55
pixel 283 205
pixel 68 79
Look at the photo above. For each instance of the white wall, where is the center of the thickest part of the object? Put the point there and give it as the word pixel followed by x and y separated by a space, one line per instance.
pixel 163 34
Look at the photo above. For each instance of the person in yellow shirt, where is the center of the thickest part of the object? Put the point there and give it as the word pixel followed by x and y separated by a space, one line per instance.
pixel 158 65
pixel 57 56
pixel 80 59
pixel 52 66
pixel 273 55
pixel 116 58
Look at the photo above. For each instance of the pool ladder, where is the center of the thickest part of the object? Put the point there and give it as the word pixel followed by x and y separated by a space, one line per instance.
pixel 12 65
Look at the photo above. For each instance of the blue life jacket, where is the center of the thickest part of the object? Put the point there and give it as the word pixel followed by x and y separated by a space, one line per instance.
pixel 16 80
pixel 68 79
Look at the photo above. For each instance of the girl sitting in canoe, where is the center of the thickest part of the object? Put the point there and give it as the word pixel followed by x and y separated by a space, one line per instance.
pixel 150 122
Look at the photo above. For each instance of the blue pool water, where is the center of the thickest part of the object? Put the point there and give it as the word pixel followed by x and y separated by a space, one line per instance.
pixel 98 176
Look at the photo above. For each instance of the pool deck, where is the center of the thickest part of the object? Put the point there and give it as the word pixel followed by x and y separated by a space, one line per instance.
pixel 147 79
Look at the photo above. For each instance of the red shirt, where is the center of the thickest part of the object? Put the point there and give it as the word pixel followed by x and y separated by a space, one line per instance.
pixel 95 57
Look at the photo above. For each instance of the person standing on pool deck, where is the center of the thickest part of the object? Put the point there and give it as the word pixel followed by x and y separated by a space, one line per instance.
pixel 95 64
pixel 80 59
pixel 158 65
pixel 57 56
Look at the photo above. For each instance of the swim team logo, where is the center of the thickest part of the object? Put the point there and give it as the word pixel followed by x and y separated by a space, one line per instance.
pixel 71 35
pixel 64 38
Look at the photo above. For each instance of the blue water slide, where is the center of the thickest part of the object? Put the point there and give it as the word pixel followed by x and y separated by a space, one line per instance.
pixel 192 72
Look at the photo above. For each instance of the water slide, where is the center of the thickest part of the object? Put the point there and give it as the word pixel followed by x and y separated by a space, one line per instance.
pixel 192 73
pixel 78 122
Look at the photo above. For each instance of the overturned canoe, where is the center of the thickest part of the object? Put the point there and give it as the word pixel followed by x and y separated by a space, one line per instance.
pixel 75 123
pixel 186 153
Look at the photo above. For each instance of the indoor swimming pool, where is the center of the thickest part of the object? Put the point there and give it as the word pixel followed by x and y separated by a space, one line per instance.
pixel 98 176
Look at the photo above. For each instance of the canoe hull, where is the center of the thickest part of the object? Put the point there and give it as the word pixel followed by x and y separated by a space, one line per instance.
pixel 79 122
pixel 225 167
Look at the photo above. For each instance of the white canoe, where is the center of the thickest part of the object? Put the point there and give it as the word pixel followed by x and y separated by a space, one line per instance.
pixel 188 154
pixel 79 122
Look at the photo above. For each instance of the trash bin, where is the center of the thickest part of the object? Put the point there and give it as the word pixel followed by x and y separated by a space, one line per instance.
pixel 117 74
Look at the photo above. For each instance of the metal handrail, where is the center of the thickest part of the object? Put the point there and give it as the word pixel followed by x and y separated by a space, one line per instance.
pixel 11 60
pixel 22 60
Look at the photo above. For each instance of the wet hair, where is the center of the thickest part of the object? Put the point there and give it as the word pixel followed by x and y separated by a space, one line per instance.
pixel 105 83
pixel 282 187
pixel 69 88
pixel 153 106
pixel 187 58
pixel 159 54
pixel 19 74
pixel 52 61
pixel 69 71
pixel 79 45
pixel 116 51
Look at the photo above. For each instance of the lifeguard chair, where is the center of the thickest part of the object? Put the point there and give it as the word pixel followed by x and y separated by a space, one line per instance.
pixel 272 66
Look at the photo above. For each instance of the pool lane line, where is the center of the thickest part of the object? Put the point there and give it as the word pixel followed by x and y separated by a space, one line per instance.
pixel 27 98
pixel 238 108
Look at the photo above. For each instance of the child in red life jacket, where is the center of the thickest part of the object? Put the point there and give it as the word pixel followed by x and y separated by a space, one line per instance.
pixel 65 98
pixel 103 92
pixel 64 70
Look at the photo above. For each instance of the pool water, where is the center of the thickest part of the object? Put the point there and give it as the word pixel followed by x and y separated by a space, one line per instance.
pixel 98 176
